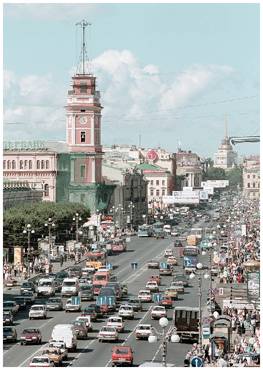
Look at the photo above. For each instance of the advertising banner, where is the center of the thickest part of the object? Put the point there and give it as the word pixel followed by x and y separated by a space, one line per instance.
pixel 253 285
pixel 203 195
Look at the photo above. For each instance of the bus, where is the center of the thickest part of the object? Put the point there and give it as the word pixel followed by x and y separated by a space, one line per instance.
pixel 100 279
pixel 145 231
pixel 186 320
pixel 190 254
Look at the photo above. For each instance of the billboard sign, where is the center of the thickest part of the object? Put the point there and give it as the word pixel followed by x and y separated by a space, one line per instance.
pixel 203 195
pixel 215 183
pixel 253 285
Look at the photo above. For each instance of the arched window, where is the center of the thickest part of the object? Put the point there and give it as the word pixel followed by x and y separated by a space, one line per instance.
pixel 25 164
pixel 42 165
pixel 46 190
pixel 13 165
pixel 21 165
pixel 4 163
pixel 30 164
pixel 8 165
pixel 47 165
pixel 38 164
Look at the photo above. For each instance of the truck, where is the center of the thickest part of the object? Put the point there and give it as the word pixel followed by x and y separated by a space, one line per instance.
pixel 66 334
pixel 186 320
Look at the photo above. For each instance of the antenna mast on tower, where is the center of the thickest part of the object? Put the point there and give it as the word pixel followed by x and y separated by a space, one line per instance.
pixel 226 128
pixel 83 53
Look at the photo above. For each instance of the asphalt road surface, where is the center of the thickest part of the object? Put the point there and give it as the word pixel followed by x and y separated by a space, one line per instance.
pixel 90 352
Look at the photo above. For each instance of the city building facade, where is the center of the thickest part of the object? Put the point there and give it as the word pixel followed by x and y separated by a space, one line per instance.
pixel 225 157
pixel 18 192
pixel 251 177
pixel 188 169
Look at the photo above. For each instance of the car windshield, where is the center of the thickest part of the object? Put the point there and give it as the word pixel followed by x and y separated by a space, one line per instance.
pixel 122 351
pixel 69 283
pixel 29 331
pixel 144 327
pixel 86 287
pixel 54 300
pixel 108 328
pixel 45 283
pixel 39 360
pixel 26 285
pixel 37 308
pixel 9 304
pixel 8 330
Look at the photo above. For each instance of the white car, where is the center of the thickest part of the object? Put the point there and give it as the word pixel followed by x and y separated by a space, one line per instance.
pixel 108 333
pixel 168 252
pixel 145 296
pixel 73 304
pixel 172 260
pixel 86 319
pixel 60 345
pixel 178 287
pixel 126 310
pixel 37 312
pixel 41 361
pixel 152 286
pixel 174 232
pixel 116 322
pixel 143 331
pixel 158 312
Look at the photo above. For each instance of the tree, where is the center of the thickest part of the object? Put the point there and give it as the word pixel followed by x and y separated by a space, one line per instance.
pixel 15 219
pixel 215 173
pixel 235 176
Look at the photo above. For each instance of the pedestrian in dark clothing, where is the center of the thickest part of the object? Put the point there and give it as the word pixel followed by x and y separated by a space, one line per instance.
pixel 61 260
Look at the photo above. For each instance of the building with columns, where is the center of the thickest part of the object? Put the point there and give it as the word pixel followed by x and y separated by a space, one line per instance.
pixel 251 177
pixel 189 168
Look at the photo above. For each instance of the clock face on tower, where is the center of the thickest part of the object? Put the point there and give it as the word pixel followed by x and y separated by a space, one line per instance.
pixel 83 119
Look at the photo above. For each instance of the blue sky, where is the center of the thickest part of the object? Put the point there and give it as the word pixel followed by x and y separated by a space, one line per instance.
pixel 169 72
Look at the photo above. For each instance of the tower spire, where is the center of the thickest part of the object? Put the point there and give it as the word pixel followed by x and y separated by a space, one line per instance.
pixel 83 53
pixel 226 127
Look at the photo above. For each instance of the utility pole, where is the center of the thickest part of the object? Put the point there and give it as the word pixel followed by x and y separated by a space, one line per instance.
pixel 83 25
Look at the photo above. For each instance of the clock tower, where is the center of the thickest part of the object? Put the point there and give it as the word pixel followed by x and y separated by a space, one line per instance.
pixel 83 134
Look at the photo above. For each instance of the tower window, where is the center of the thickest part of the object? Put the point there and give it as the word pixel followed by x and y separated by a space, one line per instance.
pixel 21 165
pixel 38 164
pixel 47 165
pixel 82 171
pixel 4 164
pixel 82 136
pixel 13 165
pixel 42 165
pixel 46 190
pixel 30 164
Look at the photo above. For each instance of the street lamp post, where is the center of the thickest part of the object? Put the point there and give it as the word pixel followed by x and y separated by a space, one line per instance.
pixel 28 230
pixel 170 334
pixel 49 224
pixel 77 218
pixel 131 207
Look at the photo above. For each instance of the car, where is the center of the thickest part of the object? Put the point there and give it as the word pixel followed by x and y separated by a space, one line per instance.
pixel 152 286
pixel 126 311
pixel 84 318
pixel 135 303
pixel 108 333
pixel 54 354
pixel 8 318
pixel 41 361
pixel 124 289
pixel 172 260
pixel 10 306
pixel 156 278
pixel 121 355
pixel 85 281
pixel 143 331
pixel 31 335
pixel 9 334
pixel 168 253
pixel 27 286
pixel 166 269
pixel 98 310
pixel 116 322
pixel 73 304
pixel 171 292
pixel 81 329
pixel 58 285
pixel 181 279
pixel 158 311
pixel 21 301
pixel 54 304
pixel 91 311
pixel 60 345
pixel 153 264
pixel 178 287
pixel 37 312
pixel 86 292
pixel 166 302
pixel 145 295
pixel 174 232
pixel 29 297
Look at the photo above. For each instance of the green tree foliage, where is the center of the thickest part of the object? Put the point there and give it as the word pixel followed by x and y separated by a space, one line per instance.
pixel 235 176
pixel 15 219
pixel 214 173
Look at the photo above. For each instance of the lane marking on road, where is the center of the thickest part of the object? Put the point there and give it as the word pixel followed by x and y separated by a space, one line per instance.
pixel 132 332
pixel 86 347
pixel 33 354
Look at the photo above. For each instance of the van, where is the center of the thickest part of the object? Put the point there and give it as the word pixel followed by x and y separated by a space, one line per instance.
pixel 65 333
pixel 70 287
pixel 46 286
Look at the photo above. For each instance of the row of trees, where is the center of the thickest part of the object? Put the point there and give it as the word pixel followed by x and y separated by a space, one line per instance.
pixel 234 175
pixel 37 214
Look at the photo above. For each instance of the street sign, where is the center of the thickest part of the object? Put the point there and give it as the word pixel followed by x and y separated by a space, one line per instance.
pixel 134 265
pixel 196 362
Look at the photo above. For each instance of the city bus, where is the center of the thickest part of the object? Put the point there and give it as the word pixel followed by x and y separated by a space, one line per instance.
pixel 145 231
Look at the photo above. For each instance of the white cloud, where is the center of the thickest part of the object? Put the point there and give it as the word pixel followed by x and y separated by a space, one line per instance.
pixel 132 94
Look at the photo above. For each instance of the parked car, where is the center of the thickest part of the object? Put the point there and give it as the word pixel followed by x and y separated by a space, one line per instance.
pixel 54 304
pixel 41 361
pixel 121 355
pixel 158 312
pixel 9 334
pixel 108 333
pixel 143 331
pixel 38 312
pixel 116 322
pixel 31 335
pixel 80 329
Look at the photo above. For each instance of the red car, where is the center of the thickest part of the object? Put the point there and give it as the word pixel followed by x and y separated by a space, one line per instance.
pixel 122 355
pixel 31 335
pixel 167 302
pixel 156 278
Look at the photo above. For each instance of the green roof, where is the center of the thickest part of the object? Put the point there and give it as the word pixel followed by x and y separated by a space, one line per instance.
pixel 148 166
